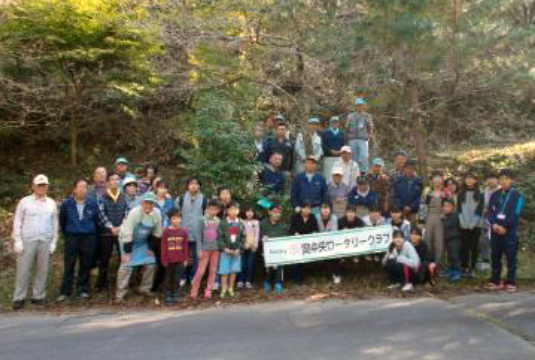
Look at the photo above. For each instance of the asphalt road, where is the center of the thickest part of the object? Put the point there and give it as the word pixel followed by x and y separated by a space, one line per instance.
pixel 473 327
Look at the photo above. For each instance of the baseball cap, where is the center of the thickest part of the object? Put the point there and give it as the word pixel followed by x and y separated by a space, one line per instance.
pixel 338 171
pixel 121 160
pixel 148 197
pixel 400 153
pixel 360 101
pixel 313 120
pixel 40 180
pixel 312 158
pixel 377 161
pixel 346 148
pixel 128 181
pixel 335 119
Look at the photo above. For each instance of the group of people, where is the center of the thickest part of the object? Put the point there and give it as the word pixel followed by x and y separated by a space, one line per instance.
pixel 164 243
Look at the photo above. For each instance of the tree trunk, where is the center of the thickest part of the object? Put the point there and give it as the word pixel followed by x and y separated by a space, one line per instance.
pixel 419 132
pixel 74 139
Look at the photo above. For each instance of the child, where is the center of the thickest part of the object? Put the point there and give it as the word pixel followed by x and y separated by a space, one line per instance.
pixel 470 208
pixel 208 249
pixel 433 224
pixel 453 188
pixel 505 210
pixel 174 254
pixel 426 270
pixel 401 263
pixel 272 227
pixel 231 240
pixel 493 185
pixel 399 223
pixel 350 220
pixel 328 222
pixel 452 241
pixel 374 218
pixel 252 237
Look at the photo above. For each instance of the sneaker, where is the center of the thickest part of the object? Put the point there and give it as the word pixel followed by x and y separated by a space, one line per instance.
pixel 239 285
pixel 216 286
pixel 223 293
pixel 493 286
pixel 18 305
pixel 147 293
pixel 207 295
pixel 248 285
pixel 455 276
pixel 39 302
pixel 510 288
pixel 62 298
pixel 394 286
pixel 483 266
pixel 84 295
pixel 278 288
pixel 337 279
pixel 267 286
pixel 231 293
pixel 472 274
pixel 182 282
pixel 169 299
pixel 407 287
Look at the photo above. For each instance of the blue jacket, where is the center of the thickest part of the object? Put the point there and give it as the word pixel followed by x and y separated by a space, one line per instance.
pixel 69 221
pixel 372 199
pixel 286 148
pixel 314 192
pixel 407 192
pixel 510 203
pixel 273 180
pixel 168 205
pixel 330 141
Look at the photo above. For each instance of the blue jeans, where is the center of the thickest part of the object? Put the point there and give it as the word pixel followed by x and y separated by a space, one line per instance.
pixel 248 265
pixel 360 153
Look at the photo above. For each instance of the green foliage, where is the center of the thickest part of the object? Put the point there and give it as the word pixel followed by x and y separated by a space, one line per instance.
pixel 222 152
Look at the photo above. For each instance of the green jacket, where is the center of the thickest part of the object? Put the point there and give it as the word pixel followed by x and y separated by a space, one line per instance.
pixel 270 230
pixel 225 241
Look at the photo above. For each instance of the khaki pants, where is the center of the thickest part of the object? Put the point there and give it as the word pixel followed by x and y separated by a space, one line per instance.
pixel 123 279
pixel 38 253
pixel 435 236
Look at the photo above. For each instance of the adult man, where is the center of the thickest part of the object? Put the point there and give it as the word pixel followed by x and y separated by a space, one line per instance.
pixel 259 142
pixel 122 170
pixel 359 128
pixel 35 234
pixel 380 183
pixel 337 191
pixel 505 209
pixel 113 211
pixel 333 139
pixel 78 219
pixel 272 177
pixel 141 229
pixel 400 159
pixel 192 205
pixel 98 188
pixel 407 191
pixel 280 144
pixel 348 166
pixel 309 187
pixel 300 148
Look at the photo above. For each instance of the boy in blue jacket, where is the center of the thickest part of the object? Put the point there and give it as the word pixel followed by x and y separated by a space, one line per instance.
pixel 504 212
pixel 407 191
pixel 78 218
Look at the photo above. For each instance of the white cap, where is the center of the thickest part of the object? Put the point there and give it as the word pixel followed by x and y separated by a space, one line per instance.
pixel 346 149
pixel 40 180
pixel 338 171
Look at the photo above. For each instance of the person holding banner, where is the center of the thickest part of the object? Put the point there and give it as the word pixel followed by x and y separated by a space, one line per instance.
pixel 328 222
pixel 303 223
pixel 309 187
pixel 273 227
pixel 401 263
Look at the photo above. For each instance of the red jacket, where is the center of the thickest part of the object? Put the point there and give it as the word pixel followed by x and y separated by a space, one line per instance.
pixel 174 246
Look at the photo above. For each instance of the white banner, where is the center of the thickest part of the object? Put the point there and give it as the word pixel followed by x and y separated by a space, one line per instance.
pixel 328 245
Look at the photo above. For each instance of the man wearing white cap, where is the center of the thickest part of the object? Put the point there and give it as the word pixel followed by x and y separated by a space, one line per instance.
pixel 359 129
pixel 300 148
pixel 35 233
pixel 348 166
pixel 337 192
